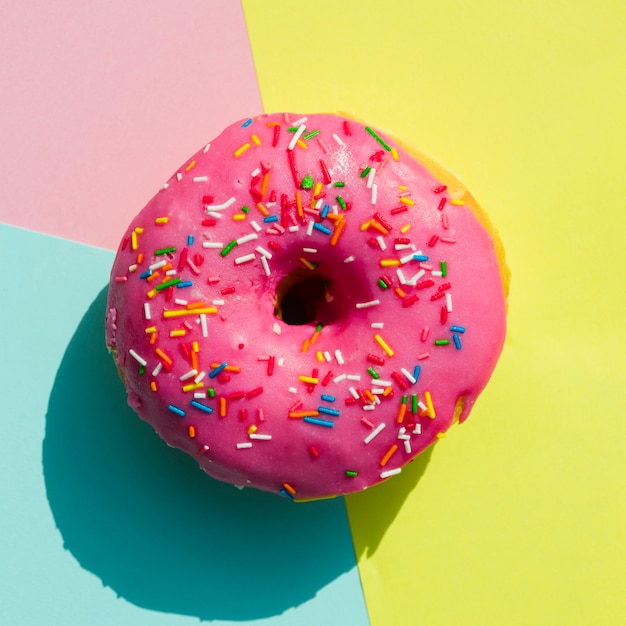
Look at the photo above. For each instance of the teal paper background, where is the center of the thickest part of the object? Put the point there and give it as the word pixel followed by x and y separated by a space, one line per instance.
pixel 104 524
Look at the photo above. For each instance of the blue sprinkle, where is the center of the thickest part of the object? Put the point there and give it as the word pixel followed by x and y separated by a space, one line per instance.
pixel 285 493
pixel 175 409
pixel 247 123
pixel 420 257
pixel 416 372
pixel 190 240
pixel 184 283
pixel 270 218
pixel 325 210
pixel 322 228
pixel 318 422
pixel 457 329
pixel 457 341
pixel 217 370
pixel 327 411
pixel 202 407
pixel 328 398
pixel 146 274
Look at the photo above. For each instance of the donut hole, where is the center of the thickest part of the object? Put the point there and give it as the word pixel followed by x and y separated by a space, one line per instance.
pixel 303 297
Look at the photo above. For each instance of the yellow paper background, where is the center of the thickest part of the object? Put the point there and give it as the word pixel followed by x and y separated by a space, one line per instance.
pixel 519 515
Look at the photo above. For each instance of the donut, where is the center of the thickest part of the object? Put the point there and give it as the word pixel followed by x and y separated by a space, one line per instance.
pixel 306 305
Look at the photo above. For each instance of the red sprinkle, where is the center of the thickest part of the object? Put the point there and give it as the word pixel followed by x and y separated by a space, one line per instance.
pixel 443 315
pixel 433 240
pixel 377 360
pixel 440 189
pixel 243 415
pixel 401 382
pixel 442 203
pixel 170 293
pixel 125 242
pixel 273 245
pixel 401 209
pixel 198 259
pixel 223 378
pixel 270 365
pixel 325 172
pixel 388 281
pixel 372 242
pixel 409 300
pixel 276 136
pixel 272 197
pixel 210 221
pixel 327 378
pixel 257 196
pixel 227 290
pixel 346 128
pixel 423 284
pixel 254 392
pixel 237 395
pixel 349 401
pixel 314 451
pixel 183 258
pixel 381 220
pixel 207 199
pixel 291 157
pixel 402 240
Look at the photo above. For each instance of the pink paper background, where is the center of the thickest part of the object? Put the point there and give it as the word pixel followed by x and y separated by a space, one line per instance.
pixel 74 81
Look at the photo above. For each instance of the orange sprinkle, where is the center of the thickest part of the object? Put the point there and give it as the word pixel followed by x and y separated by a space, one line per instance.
pixel 401 413
pixel 192 431
pixel 301 414
pixel 265 183
pixel 261 207
pixel 369 395
pixel 190 166
pixel 400 293
pixel 316 334
pixel 335 217
pixel 289 488
pixel 305 345
pixel 194 361
pixel 337 232
pixel 379 227
pixel 222 406
pixel 299 208
pixel 307 263
pixel 228 368
pixel 152 277
pixel 153 338
pixel 196 305
pixel 387 391
pixel 140 258
pixel 163 356
pixel 153 385
pixel 388 455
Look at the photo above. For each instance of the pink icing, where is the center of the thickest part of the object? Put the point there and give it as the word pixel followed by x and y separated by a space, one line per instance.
pixel 244 423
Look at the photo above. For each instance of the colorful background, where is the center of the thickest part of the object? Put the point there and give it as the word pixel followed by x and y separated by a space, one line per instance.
pixel 517 517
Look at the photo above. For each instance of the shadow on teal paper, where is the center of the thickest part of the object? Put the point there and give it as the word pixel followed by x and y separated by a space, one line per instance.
pixel 153 527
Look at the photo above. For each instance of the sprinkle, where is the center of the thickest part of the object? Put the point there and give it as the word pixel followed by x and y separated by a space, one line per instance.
pixel 339 357
pixel 146 311
pixel 328 398
pixel 244 445
pixel 374 433
pixel 202 407
pixel 394 154
pixel 318 422
pixel 388 455
pixel 255 140
pixel 260 437
pixel 241 150
pixel 164 251
pixel 215 372
pixel 297 135
pixel 337 139
pixel 449 302
pixel 212 245
pixel 328 411
pixel 429 405
pixel 137 358
pixel 348 259
pixel 378 138
pixel 409 376
pixel 175 409
pixel 336 234
pixel 322 228
pixel 183 312
pixel 220 207
pixel 245 258
pixel 189 374
pixel 246 239
pixel 374 193
pixel 388 473
pixel 457 341
pixel 309 380
pixel 383 344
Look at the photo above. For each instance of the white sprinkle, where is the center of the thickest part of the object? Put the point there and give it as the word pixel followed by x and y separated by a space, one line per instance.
pixel 189 374
pixel 255 172
pixel 348 259
pixel 422 406
pixel 407 258
pixel 327 356
pixel 378 325
pixel 262 251
pixel 218 302
pixel 407 446
pixel 266 266
pixel 246 238
pixel 203 325
pixel 365 305
pixel 449 302
pixel 245 444
pixel 170 273
pixel 146 311
pixel 384 383
pixel 374 193
pixel 374 433
pixel 276 328
pixel 294 229
pixel 319 204
pixel 381 242
pixel 163 187
pixel 401 276
pixel 292 390
pixel 402 246
pixel 157 369
pixel 408 374
pixel 260 437
pixel 356 377
pixel 199 395
pixel 206 148
pixel 255 226
pixel 370 177
pixel 339 357
pixel 353 392
pixel 337 139
pixel 137 358
pixel 310 250
pixel 388 473
pixel 199 377
pixel 246 258
pixel 377 392
pixel 215 214
pixel 309 228
pixel 132 268
pixel 214 245
pixel 296 136
pixel 369 407
pixel 224 205
pixel 280 361
pixel 402 433
pixel 437 273
pixel 339 378
pixel 418 429
pixel 413 280
pixel 179 176
pixel 181 302
pixel 200 179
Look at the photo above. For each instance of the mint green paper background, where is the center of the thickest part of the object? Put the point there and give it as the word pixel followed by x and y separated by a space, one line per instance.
pixel 103 524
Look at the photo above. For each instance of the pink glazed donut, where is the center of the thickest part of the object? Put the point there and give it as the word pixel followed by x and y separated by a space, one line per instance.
pixel 306 305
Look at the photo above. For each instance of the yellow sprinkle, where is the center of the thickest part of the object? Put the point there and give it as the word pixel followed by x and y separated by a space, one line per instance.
pixel 388 455
pixel 305 345
pixel 383 344
pixel 192 431
pixel 307 263
pixel 366 225
pixel 133 240
pixel 430 409
pixel 318 188
pixel 178 332
pixel 152 329
pixel 402 187
pixel 405 200
pixel 405 228
pixel 252 429
pixel 389 262
pixel 309 379
pixel 153 385
pixel 458 202
pixel 241 150
pixel 139 230
pixel 192 387
pixel 152 293
pixel 256 140
pixel 394 154
pixel 440 435
pixel 195 346
pixel 289 488
pixel 182 312
pixel 190 166
pixel 239 217
pixel 302 144
pixel 161 220
pixel 320 356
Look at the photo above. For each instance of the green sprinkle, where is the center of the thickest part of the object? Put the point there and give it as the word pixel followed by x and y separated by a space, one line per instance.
pixel 313 133
pixel 365 172
pixel 142 369
pixel 404 399
pixel 378 138
pixel 442 342
pixel 245 209
pixel 164 251
pixel 373 373
pixel 340 183
pixel 167 283
pixel 228 248
pixel 414 406
pixel 351 473
pixel 292 129
pixel 342 202
pixel 318 328
pixel 444 268
pixel 211 392
pixel 307 182
pixel 383 284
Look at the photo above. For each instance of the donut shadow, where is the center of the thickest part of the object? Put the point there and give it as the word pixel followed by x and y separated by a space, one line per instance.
pixel 153 527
